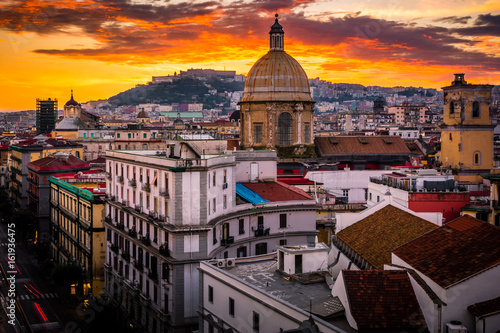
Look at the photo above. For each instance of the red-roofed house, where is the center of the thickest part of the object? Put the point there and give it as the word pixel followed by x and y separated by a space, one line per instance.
pixel 379 301
pixel 39 188
pixel 458 264
pixel 487 315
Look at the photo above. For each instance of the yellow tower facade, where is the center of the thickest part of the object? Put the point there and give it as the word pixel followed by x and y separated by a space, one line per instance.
pixel 276 106
pixel 467 130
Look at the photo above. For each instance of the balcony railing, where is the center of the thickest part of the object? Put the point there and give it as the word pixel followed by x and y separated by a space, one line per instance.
pixel 114 248
pixel 107 219
pixel 145 240
pixel 153 275
pixel 126 256
pixel 153 214
pixel 262 232
pixel 132 182
pixel 120 226
pixel 227 241
pixel 132 233
pixel 146 187
pixel 164 251
pixel 125 202
pixel 119 179
pixel 164 193
pixel 138 266
pixel 138 208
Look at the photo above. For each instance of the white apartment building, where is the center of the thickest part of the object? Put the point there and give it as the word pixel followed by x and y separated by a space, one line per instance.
pixel 168 212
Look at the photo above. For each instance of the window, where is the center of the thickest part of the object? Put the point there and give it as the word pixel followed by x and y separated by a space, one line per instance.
pixel 345 193
pixel 378 198
pixel 452 107
pixel 256 323
pixel 257 131
pixel 282 220
pixel 231 307
pixel 118 135
pixel 145 136
pixel 214 204
pixel 211 294
pixel 307 133
pixel 366 194
pixel 477 158
pixel 241 226
pixel 285 129
pixel 283 242
pixel 475 110
pixel 241 252
pixel 214 235
pixel 213 178
pixel 129 135
pixel 225 201
pixel 225 176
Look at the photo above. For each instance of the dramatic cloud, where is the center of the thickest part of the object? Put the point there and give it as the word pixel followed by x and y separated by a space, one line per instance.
pixel 454 19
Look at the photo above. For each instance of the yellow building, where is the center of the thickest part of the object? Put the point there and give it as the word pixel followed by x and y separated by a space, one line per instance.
pixel 467 131
pixel 77 231
pixel 29 151
pixel 276 106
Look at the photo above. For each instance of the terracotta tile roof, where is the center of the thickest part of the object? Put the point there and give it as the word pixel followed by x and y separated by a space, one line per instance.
pixel 53 163
pixel 375 236
pixel 454 252
pixel 366 145
pixel 277 191
pixel 382 300
pixel 486 308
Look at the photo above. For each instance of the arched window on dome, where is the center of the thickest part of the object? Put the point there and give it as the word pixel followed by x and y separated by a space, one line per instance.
pixel 285 129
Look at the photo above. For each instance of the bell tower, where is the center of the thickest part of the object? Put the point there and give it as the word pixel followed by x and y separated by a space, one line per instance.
pixel 467 131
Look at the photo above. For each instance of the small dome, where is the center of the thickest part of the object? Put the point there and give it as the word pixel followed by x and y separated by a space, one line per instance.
pixel 142 114
pixel 276 27
pixel 178 121
pixel 235 116
pixel 72 102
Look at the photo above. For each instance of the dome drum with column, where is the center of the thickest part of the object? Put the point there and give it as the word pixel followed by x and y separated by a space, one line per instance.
pixel 276 106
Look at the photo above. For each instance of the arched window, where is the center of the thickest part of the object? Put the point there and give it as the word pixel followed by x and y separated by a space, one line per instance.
pixel 475 110
pixel 452 107
pixel 285 129
pixel 476 158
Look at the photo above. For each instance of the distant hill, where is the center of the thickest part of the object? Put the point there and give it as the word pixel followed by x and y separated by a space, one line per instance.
pixel 182 91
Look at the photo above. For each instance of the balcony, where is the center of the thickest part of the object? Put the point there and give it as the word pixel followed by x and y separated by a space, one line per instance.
pixel 138 266
pixel 114 248
pixel 153 214
pixel 145 240
pixel 227 241
pixel 153 275
pixel 119 179
pixel 125 202
pixel 132 233
pixel 126 256
pixel 163 218
pixel 164 193
pixel 164 251
pixel 138 208
pixel 144 299
pixel 146 187
pixel 107 219
pixel 120 226
pixel 132 182
pixel 224 186
pixel 262 232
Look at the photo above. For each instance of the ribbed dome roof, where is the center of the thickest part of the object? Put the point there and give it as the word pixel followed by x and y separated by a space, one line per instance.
pixel 276 76
pixel 143 114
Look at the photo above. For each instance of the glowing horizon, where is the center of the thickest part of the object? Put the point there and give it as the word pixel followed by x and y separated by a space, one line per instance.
pixel 99 49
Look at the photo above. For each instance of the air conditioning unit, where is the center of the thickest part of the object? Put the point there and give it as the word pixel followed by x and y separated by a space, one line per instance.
pixel 231 262
pixel 455 326
pixel 221 263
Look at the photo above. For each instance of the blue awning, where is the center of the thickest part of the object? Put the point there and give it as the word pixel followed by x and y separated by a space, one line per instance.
pixel 249 195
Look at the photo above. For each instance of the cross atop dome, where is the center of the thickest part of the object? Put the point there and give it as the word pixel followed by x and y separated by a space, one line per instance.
pixel 277 36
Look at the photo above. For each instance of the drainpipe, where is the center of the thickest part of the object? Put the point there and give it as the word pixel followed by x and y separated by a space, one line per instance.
pixel 439 318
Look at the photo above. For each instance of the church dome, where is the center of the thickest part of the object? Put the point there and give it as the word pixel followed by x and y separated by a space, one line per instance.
pixel 142 114
pixel 276 76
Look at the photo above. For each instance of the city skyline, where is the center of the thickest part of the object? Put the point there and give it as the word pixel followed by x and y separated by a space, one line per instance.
pixel 102 48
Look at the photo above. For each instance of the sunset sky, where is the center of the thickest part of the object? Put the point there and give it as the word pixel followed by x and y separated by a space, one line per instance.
pixel 100 48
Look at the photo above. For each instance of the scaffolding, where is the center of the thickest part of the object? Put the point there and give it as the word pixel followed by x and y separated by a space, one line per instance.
pixel 46 115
